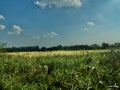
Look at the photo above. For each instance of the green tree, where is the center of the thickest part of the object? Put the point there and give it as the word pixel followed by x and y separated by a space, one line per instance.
pixel 104 45
pixel 2 47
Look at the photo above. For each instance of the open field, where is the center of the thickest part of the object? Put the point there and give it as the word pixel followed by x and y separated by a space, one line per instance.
pixel 60 70
pixel 56 53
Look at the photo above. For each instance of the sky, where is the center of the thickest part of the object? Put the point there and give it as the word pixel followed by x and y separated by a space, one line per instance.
pixel 59 22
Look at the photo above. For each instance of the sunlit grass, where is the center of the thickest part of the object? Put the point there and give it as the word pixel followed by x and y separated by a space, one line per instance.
pixel 55 53
pixel 60 70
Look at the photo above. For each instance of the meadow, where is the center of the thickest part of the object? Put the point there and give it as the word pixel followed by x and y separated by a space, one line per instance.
pixel 60 70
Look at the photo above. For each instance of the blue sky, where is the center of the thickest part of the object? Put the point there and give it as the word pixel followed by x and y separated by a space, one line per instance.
pixel 54 22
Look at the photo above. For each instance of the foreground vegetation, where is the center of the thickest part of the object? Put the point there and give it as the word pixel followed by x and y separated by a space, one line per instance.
pixel 75 70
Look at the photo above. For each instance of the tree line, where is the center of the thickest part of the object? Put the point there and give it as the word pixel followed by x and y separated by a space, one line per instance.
pixel 59 47
pixel 83 47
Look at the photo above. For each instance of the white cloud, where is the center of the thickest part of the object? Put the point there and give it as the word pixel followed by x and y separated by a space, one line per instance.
pixel 90 24
pixel 41 4
pixel 58 3
pixel 51 35
pixel 16 30
pixel 2 27
pixel 54 34
pixel 2 17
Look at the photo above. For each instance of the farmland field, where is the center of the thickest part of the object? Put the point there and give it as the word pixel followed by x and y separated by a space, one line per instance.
pixel 60 70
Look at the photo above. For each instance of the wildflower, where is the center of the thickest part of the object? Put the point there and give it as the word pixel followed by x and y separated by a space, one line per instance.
pixel 114 86
pixel 45 67
pixel 93 68
pixel 39 66
pixel 100 82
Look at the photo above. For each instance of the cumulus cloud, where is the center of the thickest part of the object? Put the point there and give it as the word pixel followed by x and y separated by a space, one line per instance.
pixel 58 3
pixel 51 35
pixel 90 24
pixel 2 27
pixel 41 4
pixel 2 17
pixel 16 30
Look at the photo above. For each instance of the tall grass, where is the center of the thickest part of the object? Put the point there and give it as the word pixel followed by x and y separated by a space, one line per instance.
pixel 90 71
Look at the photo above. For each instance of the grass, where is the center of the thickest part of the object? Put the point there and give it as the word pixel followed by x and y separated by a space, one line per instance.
pixel 60 70
pixel 55 53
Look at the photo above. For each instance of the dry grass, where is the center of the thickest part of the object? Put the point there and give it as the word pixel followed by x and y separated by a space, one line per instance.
pixel 55 53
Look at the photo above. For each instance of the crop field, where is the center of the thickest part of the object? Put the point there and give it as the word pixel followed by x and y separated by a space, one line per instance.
pixel 60 70
pixel 55 53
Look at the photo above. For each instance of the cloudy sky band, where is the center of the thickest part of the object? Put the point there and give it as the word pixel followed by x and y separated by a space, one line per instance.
pixel 54 22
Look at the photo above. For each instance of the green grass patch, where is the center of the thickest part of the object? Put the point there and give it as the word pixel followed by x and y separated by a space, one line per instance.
pixel 91 71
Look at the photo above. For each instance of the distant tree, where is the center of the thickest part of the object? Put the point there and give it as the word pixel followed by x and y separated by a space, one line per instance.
pixel 116 45
pixel 3 47
pixel 60 47
pixel 23 49
pixel 65 48
pixel 95 46
pixel 52 49
pixel 43 49
pixel 105 45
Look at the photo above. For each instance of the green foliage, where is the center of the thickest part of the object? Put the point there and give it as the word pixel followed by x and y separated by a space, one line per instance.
pixel 98 71
pixel 2 47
